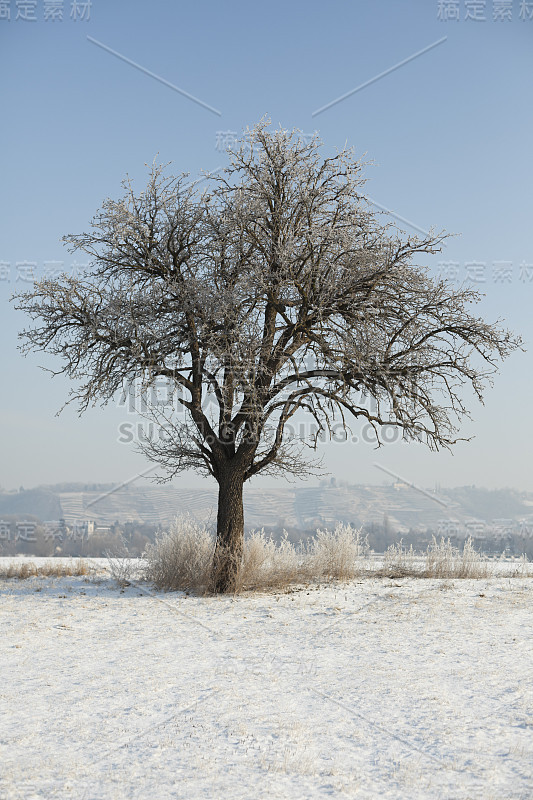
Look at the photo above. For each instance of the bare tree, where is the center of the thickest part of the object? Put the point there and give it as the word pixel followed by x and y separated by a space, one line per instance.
pixel 274 290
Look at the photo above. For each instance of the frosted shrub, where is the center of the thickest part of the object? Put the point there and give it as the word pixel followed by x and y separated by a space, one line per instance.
pixel 181 559
pixel 269 564
pixel 443 560
pixel 332 554
pixel 122 566
pixel 400 561
pixel 336 554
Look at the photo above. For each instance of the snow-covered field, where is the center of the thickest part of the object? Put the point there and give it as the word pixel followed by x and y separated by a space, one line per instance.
pixel 374 689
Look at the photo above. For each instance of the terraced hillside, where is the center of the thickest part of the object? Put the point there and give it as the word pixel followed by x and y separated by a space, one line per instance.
pixel 303 508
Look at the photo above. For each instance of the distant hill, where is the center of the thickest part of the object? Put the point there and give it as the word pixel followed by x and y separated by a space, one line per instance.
pixel 488 504
pixel 293 507
pixel 41 503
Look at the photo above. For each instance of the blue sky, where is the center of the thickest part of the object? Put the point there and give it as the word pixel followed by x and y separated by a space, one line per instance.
pixel 449 135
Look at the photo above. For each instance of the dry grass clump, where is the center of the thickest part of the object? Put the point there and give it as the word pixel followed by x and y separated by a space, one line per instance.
pixel 400 562
pixel 336 554
pixel 445 561
pixel 441 560
pixel 51 569
pixel 523 568
pixel 330 555
pixel 182 558
pixel 123 568
pixel 268 564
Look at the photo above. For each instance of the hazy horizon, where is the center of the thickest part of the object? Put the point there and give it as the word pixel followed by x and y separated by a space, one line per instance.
pixel 210 483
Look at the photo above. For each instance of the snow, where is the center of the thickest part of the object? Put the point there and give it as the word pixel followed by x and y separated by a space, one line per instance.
pixel 376 688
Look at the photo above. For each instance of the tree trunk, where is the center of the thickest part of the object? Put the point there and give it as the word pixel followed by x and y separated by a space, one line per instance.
pixel 230 531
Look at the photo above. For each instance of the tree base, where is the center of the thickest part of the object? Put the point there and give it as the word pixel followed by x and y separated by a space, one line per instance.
pixel 226 570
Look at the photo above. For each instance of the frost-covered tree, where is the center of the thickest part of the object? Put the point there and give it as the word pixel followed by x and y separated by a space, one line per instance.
pixel 274 291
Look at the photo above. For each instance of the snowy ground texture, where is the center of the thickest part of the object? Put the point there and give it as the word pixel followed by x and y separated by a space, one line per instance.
pixel 378 688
